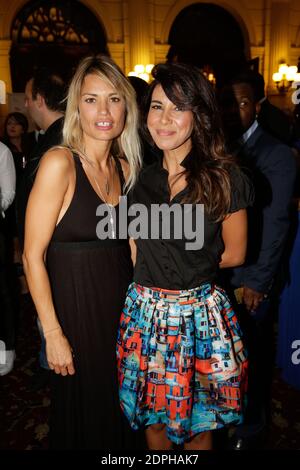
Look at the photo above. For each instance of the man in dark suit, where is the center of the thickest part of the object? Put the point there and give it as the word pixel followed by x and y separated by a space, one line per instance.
pixel 44 100
pixel 271 166
pixel 270 118
pixel 44 95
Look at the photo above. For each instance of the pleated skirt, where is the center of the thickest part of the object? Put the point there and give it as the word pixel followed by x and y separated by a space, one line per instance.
pixel 181 360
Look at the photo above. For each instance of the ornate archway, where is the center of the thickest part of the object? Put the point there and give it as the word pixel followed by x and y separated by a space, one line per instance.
pixel 56 34
pixel 208 36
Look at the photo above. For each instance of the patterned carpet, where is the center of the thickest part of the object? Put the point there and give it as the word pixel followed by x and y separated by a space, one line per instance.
pixel 24 414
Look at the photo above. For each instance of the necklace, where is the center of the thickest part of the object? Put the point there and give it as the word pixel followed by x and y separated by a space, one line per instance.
pixel 107 189
pixel 110 207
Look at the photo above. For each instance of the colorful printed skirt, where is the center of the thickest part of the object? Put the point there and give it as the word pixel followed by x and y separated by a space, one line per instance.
pixel 181 360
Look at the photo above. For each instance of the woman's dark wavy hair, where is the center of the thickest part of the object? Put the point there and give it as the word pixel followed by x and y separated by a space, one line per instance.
pixel 207 172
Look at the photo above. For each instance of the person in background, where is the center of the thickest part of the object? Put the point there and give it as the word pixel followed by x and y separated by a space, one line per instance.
pixel 7 179
pixel 179 349
pixel 141 87
pixel 271 118
pixel 16 138
pixel 45 92
pixel 7 294
pixel 288 344
pixel 289 318
pixel 19 142
pixel 271 166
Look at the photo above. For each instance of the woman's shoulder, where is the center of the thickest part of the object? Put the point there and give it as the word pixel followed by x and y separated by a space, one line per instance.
pixel 57 163
pixel 55 173
pixel 59 157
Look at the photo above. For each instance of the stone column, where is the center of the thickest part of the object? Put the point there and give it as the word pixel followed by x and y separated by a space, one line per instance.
pixel 279 40
pixel 265 70
pixel 139 24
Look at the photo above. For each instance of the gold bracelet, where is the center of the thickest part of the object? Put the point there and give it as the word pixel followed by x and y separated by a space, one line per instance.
pixel 49 331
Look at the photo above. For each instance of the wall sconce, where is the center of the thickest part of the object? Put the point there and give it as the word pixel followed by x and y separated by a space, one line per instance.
pixel 210 77
pixel 2 92
pixel 285 76
pixel 208 74
pixel 142 71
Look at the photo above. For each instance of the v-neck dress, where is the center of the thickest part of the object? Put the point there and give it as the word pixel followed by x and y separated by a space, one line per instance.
pixel 89 278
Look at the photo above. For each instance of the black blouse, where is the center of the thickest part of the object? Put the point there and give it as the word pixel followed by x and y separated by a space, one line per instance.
pixel 166 263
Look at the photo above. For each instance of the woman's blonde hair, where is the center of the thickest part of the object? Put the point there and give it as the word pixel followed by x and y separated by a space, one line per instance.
pixel 127 145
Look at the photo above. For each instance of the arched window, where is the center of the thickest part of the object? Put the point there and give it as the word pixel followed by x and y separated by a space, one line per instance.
pixel 54 33
pixel 209 37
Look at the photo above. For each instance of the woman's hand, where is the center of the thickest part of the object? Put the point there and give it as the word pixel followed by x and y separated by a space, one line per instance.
pixel 59 353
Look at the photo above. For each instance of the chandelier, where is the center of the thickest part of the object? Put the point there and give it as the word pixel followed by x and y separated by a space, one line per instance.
pixel 142 71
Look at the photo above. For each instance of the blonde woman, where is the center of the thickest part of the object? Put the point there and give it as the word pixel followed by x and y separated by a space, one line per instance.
pixel 77 280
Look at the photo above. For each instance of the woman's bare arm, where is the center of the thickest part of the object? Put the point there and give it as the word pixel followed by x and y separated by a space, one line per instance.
pixel 234 234
pixel 44 206
pixel 132 245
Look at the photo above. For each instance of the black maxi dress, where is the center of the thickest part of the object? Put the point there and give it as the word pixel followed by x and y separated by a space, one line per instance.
pixel 89 278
